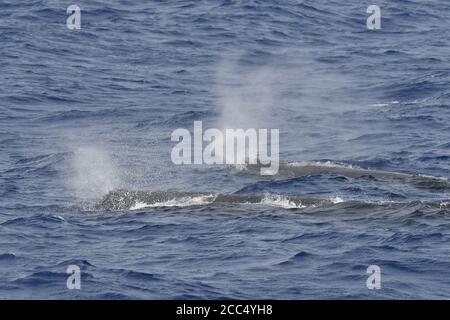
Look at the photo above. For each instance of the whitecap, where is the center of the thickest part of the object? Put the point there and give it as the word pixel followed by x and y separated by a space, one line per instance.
pixel 177 202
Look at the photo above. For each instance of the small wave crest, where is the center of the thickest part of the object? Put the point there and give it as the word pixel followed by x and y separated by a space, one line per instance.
pixel 176 202
pixel 282 201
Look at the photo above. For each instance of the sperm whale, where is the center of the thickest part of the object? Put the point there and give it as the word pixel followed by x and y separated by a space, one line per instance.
pixel 294 170
pixel 122 199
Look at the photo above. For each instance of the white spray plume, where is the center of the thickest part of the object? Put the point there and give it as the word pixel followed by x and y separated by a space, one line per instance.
pixel 94 173
pixel 261 93
pixel 246 96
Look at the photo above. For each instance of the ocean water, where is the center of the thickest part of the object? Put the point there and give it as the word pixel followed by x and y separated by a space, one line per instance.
pixel 89 111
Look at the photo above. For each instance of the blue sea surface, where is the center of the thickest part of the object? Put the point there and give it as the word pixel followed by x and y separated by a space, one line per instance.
pixel 84 112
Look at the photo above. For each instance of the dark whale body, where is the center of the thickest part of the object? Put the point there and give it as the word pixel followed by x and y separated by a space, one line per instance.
pixel 121 199
pixel 289 171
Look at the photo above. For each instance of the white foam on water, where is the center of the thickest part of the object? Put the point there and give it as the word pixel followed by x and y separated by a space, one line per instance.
pixel 177 202
pixel 433 177
pixel 336 200
pixel 444 205
pixel 281 201
pixel 139 205
pixel 328 164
